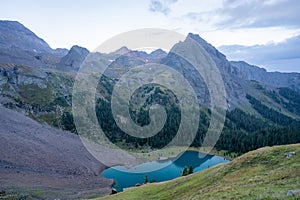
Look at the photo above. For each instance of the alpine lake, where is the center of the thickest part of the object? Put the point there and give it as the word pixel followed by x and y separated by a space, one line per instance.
pixel 161 170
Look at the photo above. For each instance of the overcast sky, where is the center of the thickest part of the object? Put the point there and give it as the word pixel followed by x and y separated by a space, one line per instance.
pixel 237 27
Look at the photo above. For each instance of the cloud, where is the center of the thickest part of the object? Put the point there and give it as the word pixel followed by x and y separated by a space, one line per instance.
pixel 260 13
pixel 161 6
pixel 248 26
pixel 283 56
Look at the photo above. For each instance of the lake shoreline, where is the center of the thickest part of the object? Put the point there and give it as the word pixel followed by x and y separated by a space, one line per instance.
pixel 160 170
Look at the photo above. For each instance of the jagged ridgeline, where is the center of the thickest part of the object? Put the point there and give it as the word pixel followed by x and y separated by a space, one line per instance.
pixel 263 107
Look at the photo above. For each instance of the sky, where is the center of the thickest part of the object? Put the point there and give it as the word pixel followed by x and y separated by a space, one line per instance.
pixel 262 32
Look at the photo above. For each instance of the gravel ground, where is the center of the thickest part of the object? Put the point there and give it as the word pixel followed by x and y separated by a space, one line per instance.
pixel 38 157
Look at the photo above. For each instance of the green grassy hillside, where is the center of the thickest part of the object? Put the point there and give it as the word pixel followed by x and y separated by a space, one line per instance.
pixel 261 174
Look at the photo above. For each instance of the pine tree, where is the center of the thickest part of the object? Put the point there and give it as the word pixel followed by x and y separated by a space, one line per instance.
pixel 185 171
pixel 191 170
pixel 146 179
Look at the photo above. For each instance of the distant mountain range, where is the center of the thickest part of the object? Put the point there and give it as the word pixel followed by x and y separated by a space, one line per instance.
pixel 20 46
pixel 263 107
pixel 28 62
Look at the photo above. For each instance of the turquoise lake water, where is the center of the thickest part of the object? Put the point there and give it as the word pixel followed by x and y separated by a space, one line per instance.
pixel 167 169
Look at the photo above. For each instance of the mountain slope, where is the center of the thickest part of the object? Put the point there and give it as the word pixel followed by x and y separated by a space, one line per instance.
pixel 15 35
pixel 255 109
pixel 251 72
pixel 74 58
pixel 235 86
pixel 264 108
pixel 35 157
pixel 261 174
pixel 20 46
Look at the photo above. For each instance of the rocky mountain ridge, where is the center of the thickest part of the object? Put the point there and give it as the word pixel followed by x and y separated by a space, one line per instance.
pixel 37 81
pixel 37 60
pixel 276 79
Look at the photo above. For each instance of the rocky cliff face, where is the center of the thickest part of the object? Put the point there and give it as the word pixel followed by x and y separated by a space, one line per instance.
pixel 230 75
pixel 74 58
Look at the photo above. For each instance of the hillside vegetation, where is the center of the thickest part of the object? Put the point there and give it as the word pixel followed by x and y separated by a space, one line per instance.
pixel 265 173
pixel 260 111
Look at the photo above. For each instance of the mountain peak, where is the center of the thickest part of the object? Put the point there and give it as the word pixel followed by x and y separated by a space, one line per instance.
pixel 123 50
pixel 157 54
pixel 158 51
pixel 200 40
pixel 207 46
pixel 5 22
pixel 196 37
pixel 74 58
pixel 13 34
pixel 79 49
